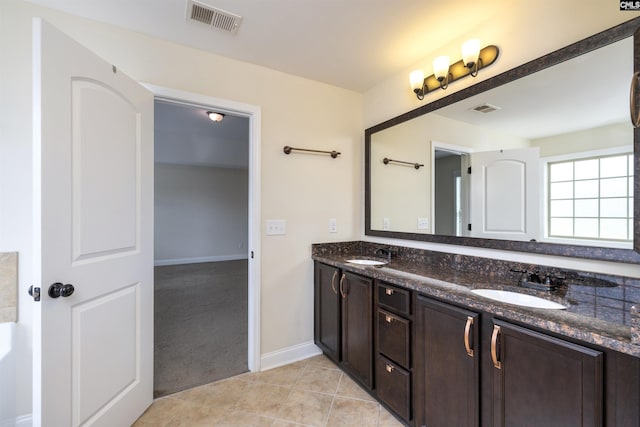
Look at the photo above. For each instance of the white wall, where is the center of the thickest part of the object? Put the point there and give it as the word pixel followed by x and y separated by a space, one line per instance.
pixel 305 190
pixel 200 214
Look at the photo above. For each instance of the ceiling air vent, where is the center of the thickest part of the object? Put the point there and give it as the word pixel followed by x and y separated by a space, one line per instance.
pixel 485 108
pixel 215 18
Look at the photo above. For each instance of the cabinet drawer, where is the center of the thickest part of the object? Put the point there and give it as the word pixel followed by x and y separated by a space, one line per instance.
pixel 393 337
pixel 394 386
pixel 394 298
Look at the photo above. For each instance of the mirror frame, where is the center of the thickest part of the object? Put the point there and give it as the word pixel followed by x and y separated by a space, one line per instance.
pixel 596 41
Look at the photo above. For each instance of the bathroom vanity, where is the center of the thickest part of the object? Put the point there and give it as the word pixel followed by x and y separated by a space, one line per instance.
pixel 414 334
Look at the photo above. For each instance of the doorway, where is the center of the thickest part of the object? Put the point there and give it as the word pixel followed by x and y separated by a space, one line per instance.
pixel 204 210
pixel 450 189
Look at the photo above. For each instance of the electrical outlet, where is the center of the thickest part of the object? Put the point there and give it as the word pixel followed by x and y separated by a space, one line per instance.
pixel 423 223
pixel 276 227
pixel 333 225
pixel 386 223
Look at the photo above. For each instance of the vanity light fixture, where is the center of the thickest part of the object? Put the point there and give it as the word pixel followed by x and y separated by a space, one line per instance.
pixel 215 117
pixel 473 60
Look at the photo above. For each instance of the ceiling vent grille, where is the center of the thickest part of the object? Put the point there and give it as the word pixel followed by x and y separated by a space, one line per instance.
pixel 215 18
pixel 485 108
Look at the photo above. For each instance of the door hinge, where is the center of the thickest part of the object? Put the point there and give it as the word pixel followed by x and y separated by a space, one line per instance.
pixel 35 293
pixel 469 227
pixel 469 170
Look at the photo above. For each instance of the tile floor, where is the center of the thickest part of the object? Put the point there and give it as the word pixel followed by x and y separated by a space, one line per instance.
pixel 312 392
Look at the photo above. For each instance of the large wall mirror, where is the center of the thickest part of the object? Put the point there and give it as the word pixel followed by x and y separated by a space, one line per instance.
pixel 538 159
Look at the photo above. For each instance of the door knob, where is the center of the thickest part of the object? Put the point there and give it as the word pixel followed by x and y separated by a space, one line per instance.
pixel 59 290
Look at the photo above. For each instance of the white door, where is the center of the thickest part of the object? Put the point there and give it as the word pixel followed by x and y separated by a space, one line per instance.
pixel 505 194
pixel 93 186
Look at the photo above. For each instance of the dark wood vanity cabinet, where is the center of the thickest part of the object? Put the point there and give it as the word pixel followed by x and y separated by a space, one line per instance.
pixel 447 368
pixel 437 364
pixel 540 380
pixel 393 348
pixel 343 320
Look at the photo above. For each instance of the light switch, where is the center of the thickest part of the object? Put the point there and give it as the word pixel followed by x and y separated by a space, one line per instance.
pixel 333 225
pixel 276 227
pixel 386 223
pixel 423 223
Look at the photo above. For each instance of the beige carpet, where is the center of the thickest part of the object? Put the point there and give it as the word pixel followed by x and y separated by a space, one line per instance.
pixel 200 324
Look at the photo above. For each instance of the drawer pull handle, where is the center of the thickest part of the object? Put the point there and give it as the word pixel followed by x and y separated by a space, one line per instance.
pixel 494 344
pixel 388 291
pixel 344 276
pixel 389 368
pixel 467 332
pixel 333 282
pixel 388 318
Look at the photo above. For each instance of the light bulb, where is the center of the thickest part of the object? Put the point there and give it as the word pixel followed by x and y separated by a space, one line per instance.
pixel 470 52
pixel 416 78
pixel 441 67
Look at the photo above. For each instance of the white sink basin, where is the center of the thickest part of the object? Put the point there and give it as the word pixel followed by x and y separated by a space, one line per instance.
pixel 367 262
pixel 518 299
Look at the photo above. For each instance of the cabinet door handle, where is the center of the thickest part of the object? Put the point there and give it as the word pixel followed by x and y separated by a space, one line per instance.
pixel 388 318
pixel 467 332
pixel 494 344
pixel 389 368
pixel 388 291
pixel 635 120
pixel 333 282
pixel 344 276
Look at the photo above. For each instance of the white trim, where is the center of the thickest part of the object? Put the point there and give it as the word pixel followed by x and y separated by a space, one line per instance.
pixel 288 355
pixel 216 258
pixel 254 113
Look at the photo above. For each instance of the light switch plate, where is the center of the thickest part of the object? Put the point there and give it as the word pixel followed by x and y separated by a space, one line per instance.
pixel 276 227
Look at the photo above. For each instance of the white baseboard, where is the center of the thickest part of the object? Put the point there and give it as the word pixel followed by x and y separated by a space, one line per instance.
pixel 288 355
pixel 176 261
pixel 21 421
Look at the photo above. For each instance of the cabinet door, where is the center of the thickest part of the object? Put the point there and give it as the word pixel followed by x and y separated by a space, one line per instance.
pixel 446 365
pixel 357 327
pixel 327 310
pixel 544 381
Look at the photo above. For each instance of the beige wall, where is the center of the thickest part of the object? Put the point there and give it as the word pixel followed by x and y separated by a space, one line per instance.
pixel 600 138
pixel 305 190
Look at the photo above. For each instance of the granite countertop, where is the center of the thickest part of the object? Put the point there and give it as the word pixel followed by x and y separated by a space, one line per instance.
pixel 454 285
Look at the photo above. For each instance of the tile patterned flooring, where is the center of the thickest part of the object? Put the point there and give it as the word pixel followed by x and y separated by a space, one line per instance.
pixel 312 392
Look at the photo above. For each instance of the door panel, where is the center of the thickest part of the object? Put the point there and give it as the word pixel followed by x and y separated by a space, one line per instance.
pixel 505 194
pixel 105 165
pixel 544 381
pixel 99 379
pixel 447 389
pixel 357 326
pixel 93 187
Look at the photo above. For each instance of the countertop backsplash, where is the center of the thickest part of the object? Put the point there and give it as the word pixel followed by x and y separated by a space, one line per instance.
pixel 8 286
